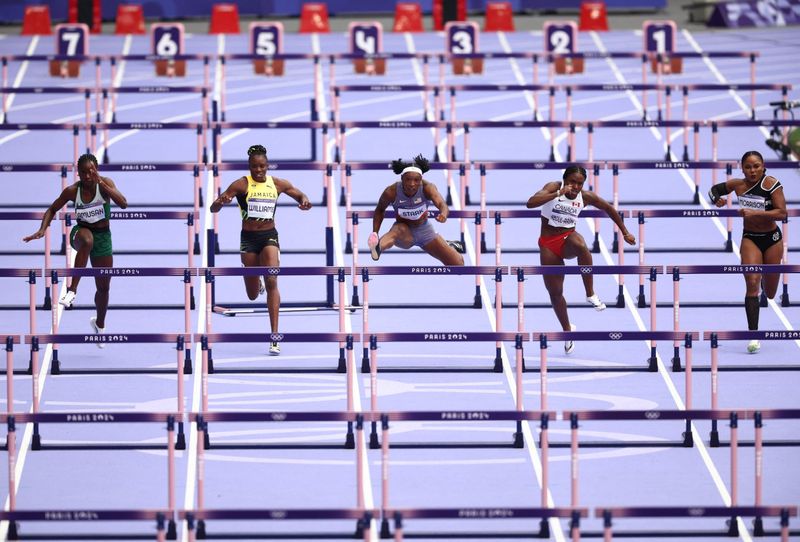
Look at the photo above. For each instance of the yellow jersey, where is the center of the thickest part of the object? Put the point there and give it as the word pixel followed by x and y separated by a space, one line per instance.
pixel 259 201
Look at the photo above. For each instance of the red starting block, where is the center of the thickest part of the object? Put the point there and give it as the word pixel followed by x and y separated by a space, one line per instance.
pixel 408 17
pixel 499 17
pixel 314 18
pixel 167 40
pixel 267 39
pixel 367 38
pixel 224 19
pixel 594 16
pixel 130 19
pixel 36 21
pixel 72 39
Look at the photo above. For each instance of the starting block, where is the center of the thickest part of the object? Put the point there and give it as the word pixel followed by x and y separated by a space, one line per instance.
pixel 130 19
pixel 594 16
pixel 462 38
pixel 659 41
pixel 224 19
pixel 267 39
pixel 314 18
pixel 36 21
pixel 560 37
pixel 367 39
pixel 72 39
pixel 167 40
pixel 499 17
pixel 408 17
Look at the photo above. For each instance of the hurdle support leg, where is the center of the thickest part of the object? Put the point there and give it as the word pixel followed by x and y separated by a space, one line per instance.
pixel 785 296
pixel 365 366
pixel 620 297
pixel 758 526
pixel 498 361
pixel 544 528
pixel 676 360
pixel 477 303
pixel 713 439
pixel 733 526
pixel 350 438
pixel 342 366
pixel 55 365
pixel 596 243
pixel 374 442
pixel 652 362
pixel 688 439
pixel 640 300
pixel 13 533
pixel 180 444
pixel 187 363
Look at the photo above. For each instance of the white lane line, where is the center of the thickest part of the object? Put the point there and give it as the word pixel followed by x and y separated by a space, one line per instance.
pixel 21 73
pixel 662 370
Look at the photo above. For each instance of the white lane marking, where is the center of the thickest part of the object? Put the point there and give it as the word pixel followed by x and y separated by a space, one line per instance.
pixel 9 98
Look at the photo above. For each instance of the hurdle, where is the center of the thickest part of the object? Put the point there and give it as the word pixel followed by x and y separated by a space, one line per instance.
pixel 45 126
pixel 312 126
pixel 159 90
pixel 86 91
pixel 232 309
pixel 206 59
pixel 633 415
pixel 456 416
pixel 364 518
pixel 400 515
pixel 31 275
pixel 438 101
pixel 223 60
pixel 202 419
pixel 609 514
pixel 370 365
pixel 93 418
pixel 106 127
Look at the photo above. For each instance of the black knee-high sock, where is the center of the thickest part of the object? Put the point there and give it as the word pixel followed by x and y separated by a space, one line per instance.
pixel 751 309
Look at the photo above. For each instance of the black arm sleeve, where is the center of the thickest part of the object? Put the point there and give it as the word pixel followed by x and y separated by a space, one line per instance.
pixel 717 191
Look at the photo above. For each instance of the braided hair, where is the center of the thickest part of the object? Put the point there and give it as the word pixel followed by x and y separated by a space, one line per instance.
pixel 574 169
pixel 748 154
pixel 256 150
pixel 419 161
pixel 84 158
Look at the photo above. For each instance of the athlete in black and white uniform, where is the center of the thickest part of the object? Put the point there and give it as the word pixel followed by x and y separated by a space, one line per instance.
pixel 410 198
pixel 761 204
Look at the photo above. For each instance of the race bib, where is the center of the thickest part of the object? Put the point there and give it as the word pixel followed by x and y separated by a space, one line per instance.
pixel 754 203
pixel 564 214
pixel 91 213
pixel 261 209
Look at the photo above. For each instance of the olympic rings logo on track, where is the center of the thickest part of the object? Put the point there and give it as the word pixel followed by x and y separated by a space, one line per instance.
pixel 615 336
pixel 275 337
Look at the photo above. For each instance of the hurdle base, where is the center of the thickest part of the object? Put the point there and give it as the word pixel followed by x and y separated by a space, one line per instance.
pixel 172 531
pixel 688 439
pixel 187 363
pixel 763 301
pixel 180 440
pixel 47 304
pixel 498 362
pixel 55 365
pixel 640 300
pixel 733 527
pixel 348 245
pixel 354 300
pixel 350 438
pixel 728 245
pixel 476 302
pixel 620 298
pixel 365 365
pixel 596 243
pixel 385 532
pixel 785 297
pixel 518 441
pixel 676 364
pixel 544 529
pixel 652 364
pixel 36 440
pixel 200 532
pixel 374 442
pixel 13 533
pixel 342 367
pixel 758 527
pixel 713 439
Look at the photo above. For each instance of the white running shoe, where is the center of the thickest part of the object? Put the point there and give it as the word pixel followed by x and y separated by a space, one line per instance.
pixel 97 329
pixel 374 243
pixel 274 349
pixel 569 346
pixel 67 298
pixel 753 346
pixel 595 302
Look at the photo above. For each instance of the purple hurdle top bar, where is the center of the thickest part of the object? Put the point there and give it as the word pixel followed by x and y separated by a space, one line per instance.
pixel 279 513
pixel 156 89
pixel 432 213
pixel 586 269
pixel 7 168
pixel 121 272
pixel 536 213
pixel 140 215
pixel 84 514
pixel 261 416
pixel 703 164
pixel 516 124
pixel 388 166
pixel 536 165
pixel 719 414
pixel 384 88
pixel 693 511
pixel 732 269
pixel 395 124
pixel 277 271
pixel 93 338
pixel 464 415
pixel 683 213
pixel 432 270
pixel 766 335
pixel 47 90
pixel 91 417
pixel 264 338
pixel 155 166
pixel 271 125
pixel 485 513
pixel 21 273
pixel 288 166
pixel 614 335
